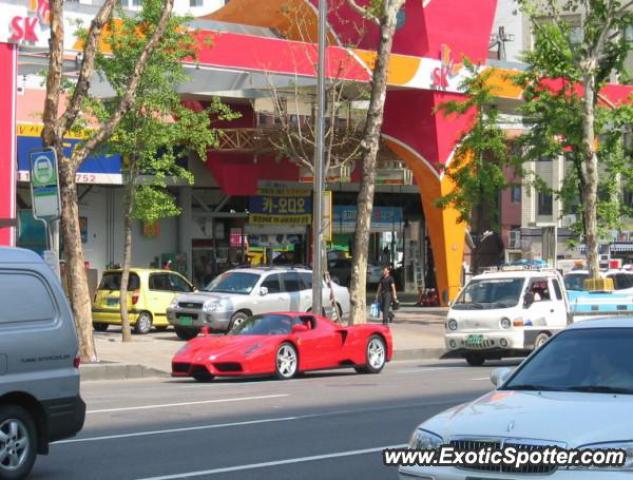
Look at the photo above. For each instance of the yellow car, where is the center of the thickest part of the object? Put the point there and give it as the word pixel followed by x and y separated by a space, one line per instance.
pixel 149 294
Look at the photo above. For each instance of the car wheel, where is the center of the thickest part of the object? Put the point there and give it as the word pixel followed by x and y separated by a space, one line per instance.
pixel 475 359
pixel 237 319
pixel 375 356
pixel 18 442
pixel 100 327
pixel 286 361
pixel 540 340
pixel 143 323
pixel 185 333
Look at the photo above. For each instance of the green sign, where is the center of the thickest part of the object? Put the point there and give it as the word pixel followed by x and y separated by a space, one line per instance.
pixel 44 185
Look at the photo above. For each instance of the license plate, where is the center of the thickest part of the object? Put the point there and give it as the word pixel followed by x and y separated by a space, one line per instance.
pixel 112 302
pixel 475 340
pixel 185 320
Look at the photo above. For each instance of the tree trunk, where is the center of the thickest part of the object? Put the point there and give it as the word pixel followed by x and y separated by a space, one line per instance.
pixel 79 293
pixel 127 258
pixel 370 144
pixel 590 192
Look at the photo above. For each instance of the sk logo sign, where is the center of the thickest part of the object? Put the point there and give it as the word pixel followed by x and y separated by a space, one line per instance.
pixel 23 28
pixel 448 69
pixel 42 9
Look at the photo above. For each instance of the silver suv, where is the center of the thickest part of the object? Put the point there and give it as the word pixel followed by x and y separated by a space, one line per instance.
pixel 235 295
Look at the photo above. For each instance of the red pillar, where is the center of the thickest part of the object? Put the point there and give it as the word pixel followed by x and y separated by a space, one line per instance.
pixel 8 77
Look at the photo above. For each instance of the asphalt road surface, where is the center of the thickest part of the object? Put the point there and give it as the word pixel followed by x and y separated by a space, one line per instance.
pixel 330 425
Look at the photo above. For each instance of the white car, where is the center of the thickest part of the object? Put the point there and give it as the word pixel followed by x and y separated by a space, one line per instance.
pixel 575 392
pixel 505 313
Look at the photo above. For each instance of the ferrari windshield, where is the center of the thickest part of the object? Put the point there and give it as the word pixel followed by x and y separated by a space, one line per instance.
pixel 264 325
pixel 233 282
pixel 489 293
pixel 592 360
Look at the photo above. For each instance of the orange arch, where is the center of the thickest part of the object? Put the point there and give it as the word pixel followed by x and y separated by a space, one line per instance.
pixel 446 234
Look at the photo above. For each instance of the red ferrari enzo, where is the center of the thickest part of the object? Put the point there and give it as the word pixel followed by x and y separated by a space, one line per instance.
pixel 283 344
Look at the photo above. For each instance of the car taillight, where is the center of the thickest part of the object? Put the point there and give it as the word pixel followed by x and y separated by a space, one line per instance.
pixel 135 296
pixel 76 361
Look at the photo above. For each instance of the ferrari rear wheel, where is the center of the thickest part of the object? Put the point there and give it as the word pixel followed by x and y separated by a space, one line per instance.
pixel 375 356
pixel 286 361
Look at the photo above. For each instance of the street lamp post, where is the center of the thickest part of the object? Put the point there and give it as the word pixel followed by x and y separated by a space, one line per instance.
pixel 318 177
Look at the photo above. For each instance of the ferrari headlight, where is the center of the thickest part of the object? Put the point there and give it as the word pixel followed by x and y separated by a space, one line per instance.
pixel 626 446
pixel 425 440
pixel 185 348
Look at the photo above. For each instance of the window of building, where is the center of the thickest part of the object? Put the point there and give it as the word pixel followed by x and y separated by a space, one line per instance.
pixel 515 193
pixel 545 203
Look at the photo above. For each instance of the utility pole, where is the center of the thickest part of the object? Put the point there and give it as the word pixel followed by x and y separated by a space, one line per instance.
pixel 318 177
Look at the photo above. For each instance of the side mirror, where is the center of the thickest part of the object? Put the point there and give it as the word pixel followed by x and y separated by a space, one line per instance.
pixel 499 375
pixel 263 291
pixel 528 299
pixel 299 327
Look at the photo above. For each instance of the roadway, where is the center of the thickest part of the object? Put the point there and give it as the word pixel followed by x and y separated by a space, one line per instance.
pixel 329 425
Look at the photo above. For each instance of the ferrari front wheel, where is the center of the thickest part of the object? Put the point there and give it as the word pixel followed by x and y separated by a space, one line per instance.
pixel 375 356
pixel 286 361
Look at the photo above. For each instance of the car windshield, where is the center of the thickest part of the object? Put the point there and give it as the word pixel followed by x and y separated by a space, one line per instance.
pixel 490 293
pixel 241 283
pixel 596 360
pixel 576 281
pixel 112 281
pixel 264 325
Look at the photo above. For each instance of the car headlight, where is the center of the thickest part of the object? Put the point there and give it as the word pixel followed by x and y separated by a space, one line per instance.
pixel 452 324
pixel 423 439
pixel 626 446
pixel 174 303
pixel 185 348
pixel 505 323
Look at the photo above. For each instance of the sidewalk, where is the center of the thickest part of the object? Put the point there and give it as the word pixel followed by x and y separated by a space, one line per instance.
pixel 417 334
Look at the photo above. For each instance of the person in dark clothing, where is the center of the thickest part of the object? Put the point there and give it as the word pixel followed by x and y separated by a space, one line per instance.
pixel 386 294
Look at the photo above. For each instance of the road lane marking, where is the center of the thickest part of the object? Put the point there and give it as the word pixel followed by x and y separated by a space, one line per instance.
pixel 425 369
pixel 481 378
pixel 183 404
pixel 174 430
pixel 276 463
pixel 308 416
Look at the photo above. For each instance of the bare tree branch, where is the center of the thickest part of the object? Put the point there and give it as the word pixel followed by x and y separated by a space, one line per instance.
pixel 87 64
pixel 363 12
pixel 106 129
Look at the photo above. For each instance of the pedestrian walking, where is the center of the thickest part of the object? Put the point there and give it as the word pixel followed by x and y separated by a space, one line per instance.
pixel 386 295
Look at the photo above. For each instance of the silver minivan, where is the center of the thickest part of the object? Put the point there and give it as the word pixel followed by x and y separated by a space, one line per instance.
pixel 39 366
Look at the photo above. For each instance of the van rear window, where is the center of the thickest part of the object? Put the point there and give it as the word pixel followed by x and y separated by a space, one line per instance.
pixel 112 281
pixel 25 298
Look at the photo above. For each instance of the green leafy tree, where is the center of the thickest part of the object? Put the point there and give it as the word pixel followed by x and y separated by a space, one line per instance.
pixel 571 119
pixel 57 126
pixel 158 129
pixel 479 162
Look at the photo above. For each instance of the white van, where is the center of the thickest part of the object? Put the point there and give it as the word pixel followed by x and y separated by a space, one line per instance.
pixel 506 312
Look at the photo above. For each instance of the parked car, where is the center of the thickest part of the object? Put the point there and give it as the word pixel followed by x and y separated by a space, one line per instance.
pixel 149 294
pixel 341 272
pixel 575 392
pixel 235 295
pixel 284 344
pixel 39 375
pixel 506 312
pixel 622 280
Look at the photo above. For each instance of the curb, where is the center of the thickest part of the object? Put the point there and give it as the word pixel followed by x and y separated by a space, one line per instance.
pixel 418 354
pixel 117 371
pixel 122 371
